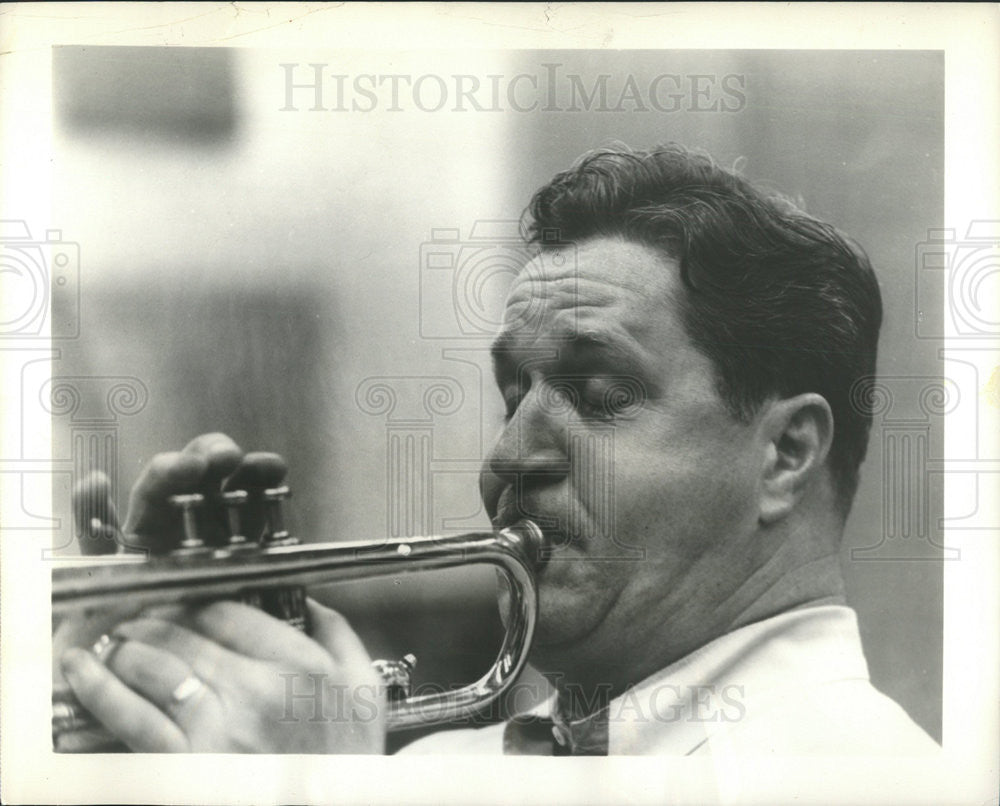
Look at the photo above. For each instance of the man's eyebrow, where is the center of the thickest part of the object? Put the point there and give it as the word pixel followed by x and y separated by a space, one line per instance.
pixel 569 348
pixel 593 341
pixel 605 347
pixel 501 347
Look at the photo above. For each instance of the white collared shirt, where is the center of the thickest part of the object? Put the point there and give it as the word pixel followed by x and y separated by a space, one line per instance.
pixel 794 684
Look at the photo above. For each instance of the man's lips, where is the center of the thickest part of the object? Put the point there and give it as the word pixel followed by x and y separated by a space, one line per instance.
pixel 510 511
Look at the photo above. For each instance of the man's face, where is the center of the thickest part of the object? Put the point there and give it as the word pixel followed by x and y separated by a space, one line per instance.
pixel 617 443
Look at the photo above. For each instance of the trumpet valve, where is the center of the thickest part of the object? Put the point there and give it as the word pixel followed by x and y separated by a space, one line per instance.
pixel 396 674
pixel 276 534
pixel 234 502
pixel 189 505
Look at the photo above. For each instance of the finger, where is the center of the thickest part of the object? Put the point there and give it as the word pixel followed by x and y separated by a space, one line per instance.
pixel 163 679
pixel 256 472
pixel 248 631
pixel 221 454
pixel 84 630
pixel 136 721
pixel 151 517
pixel 209 661
pixel 200 467
pixel 333 632
pixel 95 515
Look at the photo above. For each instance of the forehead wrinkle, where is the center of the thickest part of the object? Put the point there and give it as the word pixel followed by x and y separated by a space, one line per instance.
pixel 560 341
pixel 621 291
pixel 600 303
pixel 622 321
pixel 566 290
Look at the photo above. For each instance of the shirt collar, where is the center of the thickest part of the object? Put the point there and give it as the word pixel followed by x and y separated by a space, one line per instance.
pixel 729 679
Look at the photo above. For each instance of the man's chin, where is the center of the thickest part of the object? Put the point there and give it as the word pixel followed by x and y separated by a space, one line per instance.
pixel 562 622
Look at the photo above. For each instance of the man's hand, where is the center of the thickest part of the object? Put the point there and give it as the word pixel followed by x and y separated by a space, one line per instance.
pixel 222 677
pixel 208 464
pixel 229 678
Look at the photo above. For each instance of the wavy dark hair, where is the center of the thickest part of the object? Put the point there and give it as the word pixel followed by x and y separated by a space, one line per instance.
pixel 780 302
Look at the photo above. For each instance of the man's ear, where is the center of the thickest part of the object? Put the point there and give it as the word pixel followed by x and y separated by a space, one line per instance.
pixel 798 431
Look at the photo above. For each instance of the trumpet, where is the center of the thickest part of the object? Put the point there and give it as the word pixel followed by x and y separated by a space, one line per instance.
pixel 272 573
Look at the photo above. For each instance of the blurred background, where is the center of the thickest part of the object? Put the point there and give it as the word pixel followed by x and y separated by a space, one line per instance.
pixel 308 251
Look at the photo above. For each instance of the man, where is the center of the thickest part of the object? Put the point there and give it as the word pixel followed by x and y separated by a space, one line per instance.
pixel 694 603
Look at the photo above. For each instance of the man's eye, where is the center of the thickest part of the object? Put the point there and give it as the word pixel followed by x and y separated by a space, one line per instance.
pixel 578 393
pixel 591 400
pixel 596 397
pixel 605 398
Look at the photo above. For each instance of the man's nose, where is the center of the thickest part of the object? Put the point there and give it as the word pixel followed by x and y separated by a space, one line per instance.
pixel 533 442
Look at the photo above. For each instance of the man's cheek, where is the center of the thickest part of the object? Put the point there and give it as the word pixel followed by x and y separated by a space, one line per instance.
pixel 684 492
pixel 567 607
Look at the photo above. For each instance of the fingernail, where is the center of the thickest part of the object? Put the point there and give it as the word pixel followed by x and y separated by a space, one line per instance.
pixel 71 662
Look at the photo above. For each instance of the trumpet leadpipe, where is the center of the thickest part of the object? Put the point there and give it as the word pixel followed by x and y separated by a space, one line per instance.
pixel 226 572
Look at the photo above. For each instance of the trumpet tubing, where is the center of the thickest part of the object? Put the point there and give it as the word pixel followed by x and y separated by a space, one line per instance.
pixel 274 575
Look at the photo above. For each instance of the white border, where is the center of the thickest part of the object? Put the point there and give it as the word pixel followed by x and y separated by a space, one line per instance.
pixel 968 34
